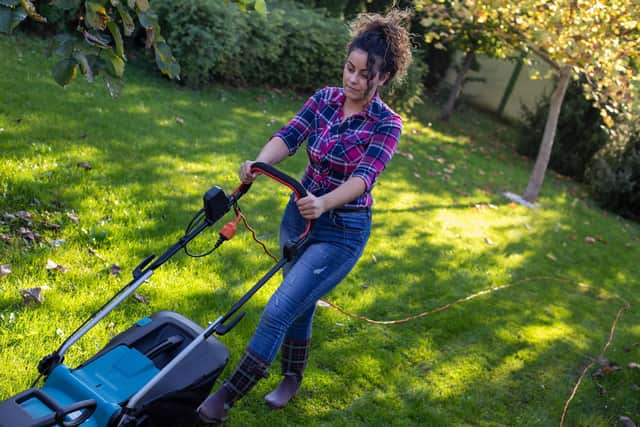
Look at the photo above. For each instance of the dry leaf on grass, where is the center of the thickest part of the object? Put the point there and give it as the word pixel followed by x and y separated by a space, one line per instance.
pixel 140 298
pixel 607 367
pixel 115 269
pixel 95 254
pixel 73 217
pixel 32 295
pixel 628 422
pixel 52 265
pixel 5 270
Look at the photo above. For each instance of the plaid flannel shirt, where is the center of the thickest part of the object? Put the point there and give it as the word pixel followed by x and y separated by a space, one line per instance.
pixel 338 149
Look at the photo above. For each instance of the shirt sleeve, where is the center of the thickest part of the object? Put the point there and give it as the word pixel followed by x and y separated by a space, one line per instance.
pixel 296 131
pixel 381 149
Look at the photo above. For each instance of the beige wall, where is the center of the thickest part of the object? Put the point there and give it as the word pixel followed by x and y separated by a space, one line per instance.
pixel 496 74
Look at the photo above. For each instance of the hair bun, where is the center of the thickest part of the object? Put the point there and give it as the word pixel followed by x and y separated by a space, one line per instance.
pixel 392 26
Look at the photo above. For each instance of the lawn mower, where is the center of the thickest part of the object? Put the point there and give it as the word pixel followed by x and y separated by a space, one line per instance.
pixel 157 371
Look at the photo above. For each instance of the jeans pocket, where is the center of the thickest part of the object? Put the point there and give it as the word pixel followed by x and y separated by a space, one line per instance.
pixel 352 222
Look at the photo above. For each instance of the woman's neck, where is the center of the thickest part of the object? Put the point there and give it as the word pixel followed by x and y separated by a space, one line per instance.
pixel 350 107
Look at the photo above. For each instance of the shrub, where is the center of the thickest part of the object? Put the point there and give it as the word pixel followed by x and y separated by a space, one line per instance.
pixel 579 134
pixel 403 96
pixel 614 176
pixel 296 48
pixel 203 35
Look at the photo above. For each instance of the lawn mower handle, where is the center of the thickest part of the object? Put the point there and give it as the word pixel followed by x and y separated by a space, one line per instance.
pixel 275 174
pixel 220 206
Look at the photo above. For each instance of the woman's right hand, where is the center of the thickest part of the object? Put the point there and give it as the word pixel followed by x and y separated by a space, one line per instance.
pixel 245 174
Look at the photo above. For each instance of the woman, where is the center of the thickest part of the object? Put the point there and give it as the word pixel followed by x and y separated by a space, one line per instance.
pixel 351 135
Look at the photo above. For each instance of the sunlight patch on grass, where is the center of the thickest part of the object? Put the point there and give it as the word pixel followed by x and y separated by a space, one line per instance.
pixel 542 335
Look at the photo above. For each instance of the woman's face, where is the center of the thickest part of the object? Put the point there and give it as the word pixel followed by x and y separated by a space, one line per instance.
pixel 354 78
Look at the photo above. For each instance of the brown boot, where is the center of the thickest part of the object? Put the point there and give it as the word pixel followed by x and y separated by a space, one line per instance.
pixel 294 360
pixel 250 370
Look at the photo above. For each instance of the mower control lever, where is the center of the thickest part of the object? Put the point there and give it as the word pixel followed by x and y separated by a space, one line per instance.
pixel 281 177
pixel 222 329
pixel 137 272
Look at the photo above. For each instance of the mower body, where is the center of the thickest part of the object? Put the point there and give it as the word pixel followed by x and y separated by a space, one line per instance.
pixel 118 371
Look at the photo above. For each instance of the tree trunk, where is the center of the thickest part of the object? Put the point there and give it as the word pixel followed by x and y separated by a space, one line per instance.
pixel 447 111
pixel 542 161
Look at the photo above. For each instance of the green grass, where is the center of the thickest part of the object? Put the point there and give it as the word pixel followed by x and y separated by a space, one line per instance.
pixel 442 231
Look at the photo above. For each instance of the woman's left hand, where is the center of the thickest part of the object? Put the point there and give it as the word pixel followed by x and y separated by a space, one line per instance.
pixel 310 206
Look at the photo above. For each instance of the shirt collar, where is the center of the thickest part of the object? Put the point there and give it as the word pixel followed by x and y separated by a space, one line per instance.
pixel 374 108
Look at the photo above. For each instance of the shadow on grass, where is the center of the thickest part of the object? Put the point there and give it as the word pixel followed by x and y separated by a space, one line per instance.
pixel 506 358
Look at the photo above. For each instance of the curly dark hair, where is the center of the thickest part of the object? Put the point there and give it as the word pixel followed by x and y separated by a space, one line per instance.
pixel 386 41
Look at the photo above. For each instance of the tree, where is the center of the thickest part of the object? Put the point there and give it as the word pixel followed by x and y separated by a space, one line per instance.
pixel 89 35
pixel 598 41
pixel 466 26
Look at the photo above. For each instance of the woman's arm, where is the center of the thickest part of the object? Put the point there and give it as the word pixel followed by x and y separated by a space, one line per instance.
pixel 273 152
pixel 311 207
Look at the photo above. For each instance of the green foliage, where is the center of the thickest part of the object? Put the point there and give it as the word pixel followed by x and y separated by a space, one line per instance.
pixel 579 134
pixel 614 176
pixel 333 8
pixel 295 47
pixel 204 35
pixel 89 36
pixel 404 96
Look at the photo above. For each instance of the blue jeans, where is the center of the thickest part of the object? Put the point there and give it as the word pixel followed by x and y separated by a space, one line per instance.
pixel 335 244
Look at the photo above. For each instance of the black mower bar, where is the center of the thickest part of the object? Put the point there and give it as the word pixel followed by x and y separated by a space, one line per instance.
pixel 216 205
pixel 274 174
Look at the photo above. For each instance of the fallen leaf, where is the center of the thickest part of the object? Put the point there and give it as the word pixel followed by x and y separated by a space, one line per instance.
pixel 405 155
pixel 627 421
pixel 26 234
pixel 140 298
pixel 606 367
pixel 51 265
pixel 115 269
pixel 5 270
pixel 58 242
pixel 51 225
pixel 73 217
pixel 32 295
pixel 95 254
pixel 424 367
pixel 24 215
pixel 84 165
